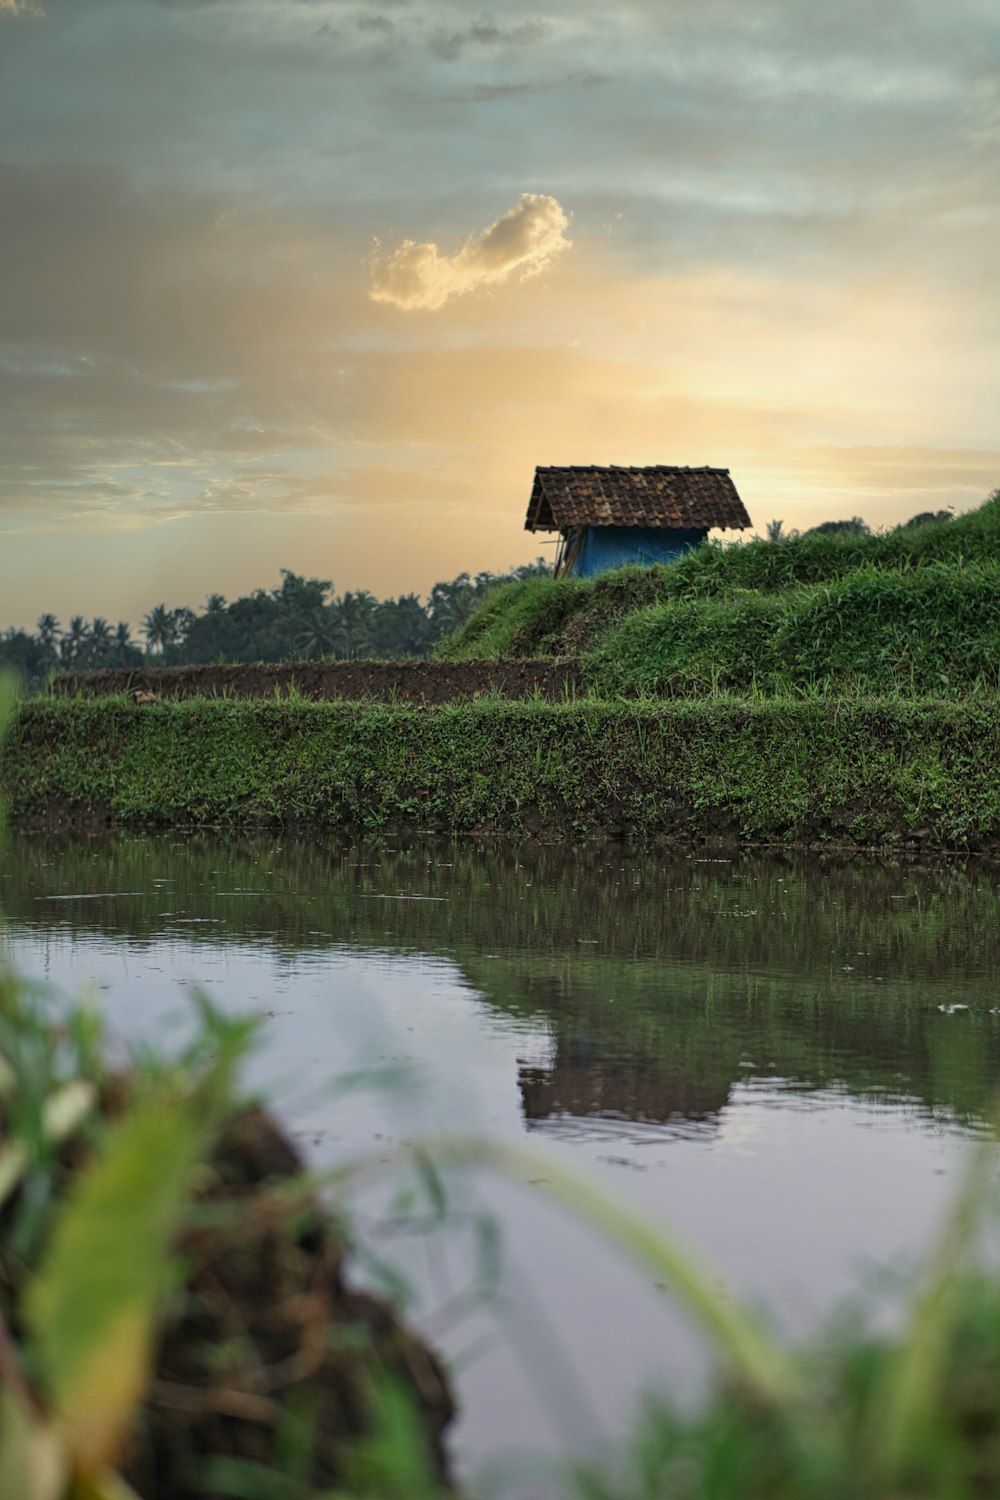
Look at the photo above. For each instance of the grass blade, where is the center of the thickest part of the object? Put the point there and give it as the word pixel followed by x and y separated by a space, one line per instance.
pixel 91 1308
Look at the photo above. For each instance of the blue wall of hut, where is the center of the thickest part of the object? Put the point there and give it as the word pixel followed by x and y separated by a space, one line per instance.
pixel 605 547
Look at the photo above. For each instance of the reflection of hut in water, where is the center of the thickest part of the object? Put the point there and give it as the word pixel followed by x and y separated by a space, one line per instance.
pixel 610 516
pixel 583 1083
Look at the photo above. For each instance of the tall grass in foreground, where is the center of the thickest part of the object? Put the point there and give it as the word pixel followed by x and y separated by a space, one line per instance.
pixel 857 1415
pixel 172 1320
pixel 85 1271
pixel 854 1415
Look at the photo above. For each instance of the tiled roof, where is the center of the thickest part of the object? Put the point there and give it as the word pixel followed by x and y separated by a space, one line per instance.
pixel 658 496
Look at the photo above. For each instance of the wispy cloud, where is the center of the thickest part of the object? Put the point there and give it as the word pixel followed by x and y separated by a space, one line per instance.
pixel 527 238
pixel 487 34
pixel 375 23
pixel 487 93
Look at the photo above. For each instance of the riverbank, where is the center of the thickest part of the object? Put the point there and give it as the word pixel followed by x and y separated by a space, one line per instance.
pixel 862 773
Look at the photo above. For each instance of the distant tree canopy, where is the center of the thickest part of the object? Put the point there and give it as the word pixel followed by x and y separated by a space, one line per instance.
pixel 924 519
pixel 854 527
pixel 298 621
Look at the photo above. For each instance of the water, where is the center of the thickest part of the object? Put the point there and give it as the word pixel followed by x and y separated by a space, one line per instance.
pixel 782 1058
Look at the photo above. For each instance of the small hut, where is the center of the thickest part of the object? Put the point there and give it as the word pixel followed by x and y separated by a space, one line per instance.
pixel 612 516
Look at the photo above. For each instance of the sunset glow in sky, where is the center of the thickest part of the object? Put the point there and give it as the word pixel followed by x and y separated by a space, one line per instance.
pixel 317 283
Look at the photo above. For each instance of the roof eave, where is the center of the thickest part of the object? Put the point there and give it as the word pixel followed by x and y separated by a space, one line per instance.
pixel 540 516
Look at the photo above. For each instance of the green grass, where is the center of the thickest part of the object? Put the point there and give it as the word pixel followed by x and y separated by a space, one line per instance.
pixel 866 771
pixel 935 631
pixel 566 617
pixel 552 616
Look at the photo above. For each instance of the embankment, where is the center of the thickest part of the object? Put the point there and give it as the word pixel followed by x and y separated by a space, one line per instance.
pixel 861 772
pixel 423 682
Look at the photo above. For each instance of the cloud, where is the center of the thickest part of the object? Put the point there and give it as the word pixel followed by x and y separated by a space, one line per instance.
pixel 527 238
pixel 488 34
pixel 375 23
pixel 488 93
pixel 20 8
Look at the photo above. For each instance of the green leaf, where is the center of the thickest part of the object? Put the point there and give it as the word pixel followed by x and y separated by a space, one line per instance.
pixel 33 1464
pixel 62 1113
pixel 392 1460
pixel 911 1396
pixel 105 1486
pixel 243 1479
pixel 433 1186
pixel 91 1308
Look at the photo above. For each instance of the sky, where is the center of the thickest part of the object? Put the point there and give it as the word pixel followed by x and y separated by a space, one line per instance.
pixel 316 284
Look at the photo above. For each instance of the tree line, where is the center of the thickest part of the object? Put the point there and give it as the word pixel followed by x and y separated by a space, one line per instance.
pixel 301 620
pixel 298 621
pixel 855 527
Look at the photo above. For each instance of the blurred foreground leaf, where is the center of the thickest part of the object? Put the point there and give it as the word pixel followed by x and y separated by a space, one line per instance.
pixel 392 1460
pixel 33 1462
pixel 63 1111
pixel 92 1307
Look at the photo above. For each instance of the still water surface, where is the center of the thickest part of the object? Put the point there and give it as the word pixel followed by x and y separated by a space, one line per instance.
pixel 779 1057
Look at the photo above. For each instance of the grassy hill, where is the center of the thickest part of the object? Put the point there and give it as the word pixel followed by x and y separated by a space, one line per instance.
pixel 930 632
pixel 911 610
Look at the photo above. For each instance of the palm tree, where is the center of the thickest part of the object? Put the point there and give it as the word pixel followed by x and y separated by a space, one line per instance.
pixel 158 628
pixel 48 631
pixel 48 637
pixel 451 604
pixel 353 614
pixel 98 642
pixel 317 633
pixel 123 647
pixel 71 647
pixel 183 619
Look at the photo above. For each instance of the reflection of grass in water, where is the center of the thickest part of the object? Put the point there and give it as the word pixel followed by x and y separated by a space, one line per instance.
pixel 780 911
pixel 818 971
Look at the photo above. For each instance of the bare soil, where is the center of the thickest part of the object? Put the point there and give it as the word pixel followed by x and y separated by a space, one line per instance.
pixel 418 682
